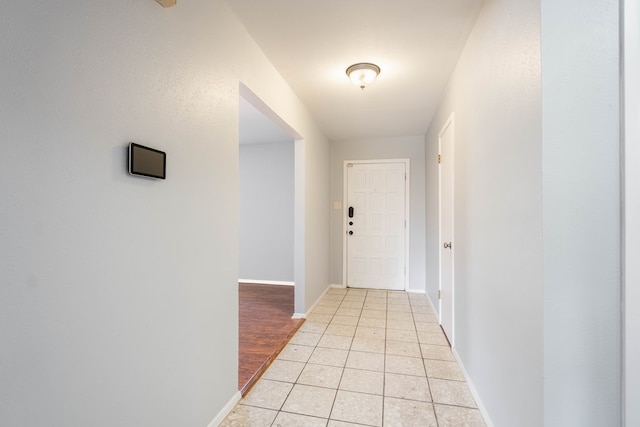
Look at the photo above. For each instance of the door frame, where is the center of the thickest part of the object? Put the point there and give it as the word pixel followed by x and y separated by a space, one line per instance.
pixel 450 122
pixel 407 188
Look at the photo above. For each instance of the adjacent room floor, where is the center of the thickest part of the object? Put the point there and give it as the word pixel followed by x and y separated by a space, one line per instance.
pixel 363 357
pixel 265 326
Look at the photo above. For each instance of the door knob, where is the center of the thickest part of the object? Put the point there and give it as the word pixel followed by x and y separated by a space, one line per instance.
pixel 447 245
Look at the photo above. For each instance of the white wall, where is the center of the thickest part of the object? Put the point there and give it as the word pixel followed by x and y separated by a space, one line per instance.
pixel 495 94
pixel 632 211
pixel 404 147
pixel 266 211
pixel 581 215
pixel 114 288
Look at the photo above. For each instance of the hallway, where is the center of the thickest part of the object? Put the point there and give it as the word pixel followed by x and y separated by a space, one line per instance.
pixel 363 357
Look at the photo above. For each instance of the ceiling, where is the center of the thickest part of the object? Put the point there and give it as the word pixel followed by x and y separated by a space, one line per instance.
pixel 416 43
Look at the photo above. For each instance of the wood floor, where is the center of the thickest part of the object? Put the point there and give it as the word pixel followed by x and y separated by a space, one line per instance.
pixel 265 328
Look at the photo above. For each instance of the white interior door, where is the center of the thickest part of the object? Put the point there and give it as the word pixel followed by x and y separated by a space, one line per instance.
pixel 446 229
pixel 375 217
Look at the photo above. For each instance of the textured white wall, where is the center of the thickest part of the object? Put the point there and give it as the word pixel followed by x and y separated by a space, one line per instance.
pixel 405 147
pixel 118 294
pixel 266 211
pixel 581 216
pixel 495 94
pixel 632 212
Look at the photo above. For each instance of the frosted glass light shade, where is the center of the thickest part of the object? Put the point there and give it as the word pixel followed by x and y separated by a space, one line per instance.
pixel 363 74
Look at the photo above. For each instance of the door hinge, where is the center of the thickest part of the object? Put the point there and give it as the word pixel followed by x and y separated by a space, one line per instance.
pixel 439 294
pixel 439 158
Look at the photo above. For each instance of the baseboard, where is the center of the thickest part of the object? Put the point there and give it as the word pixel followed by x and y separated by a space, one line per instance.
pixel 474 392
pixel 299 316
pixel 266 282
pixel 226 410
pixel 416 291
pixel 338 286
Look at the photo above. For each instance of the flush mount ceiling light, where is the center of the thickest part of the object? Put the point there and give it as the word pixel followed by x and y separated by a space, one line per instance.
pixel 363 73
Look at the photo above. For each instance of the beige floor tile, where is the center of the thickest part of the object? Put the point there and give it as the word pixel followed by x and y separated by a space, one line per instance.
pixel 319 318
pixel 371 333
pixel 296 353
pixel 395 315
pixel 362 381
pixel 399 348
pixel 329 356
pixel 368 345
pixel 372 322
pixel 322 309
pixel 398 412
pixel 376 314
pixel 335 303
pixel 320 376
pixel 283 370
pixel 305 338
pixel 377 293
pixel 402 335
pixel 398 295
pixel 431 338
pixel 335 341
pixel 367 361
pixel 285 419
pixel 429 317
pixel 404 325
pixel 334 423
pixel 443 370
pixel 438 352
pixel 407 387
pixel 308 400
pixel 375 306
pixel 344 320
pixel 342 330
pixel 404 365
pixel 333 296
pixel 376 300
pixel 352 304
pixel 243 416
pixel 422 309
pixel 357 408
pixel 314 327
pixel 354 298
pixel 399 308
pixel 454 416
pixel 343 311
pixel 433 328
pixel 451 393
pixel 423 317
pixel 267 394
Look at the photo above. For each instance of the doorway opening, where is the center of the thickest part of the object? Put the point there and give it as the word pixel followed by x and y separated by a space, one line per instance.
pixel 269 229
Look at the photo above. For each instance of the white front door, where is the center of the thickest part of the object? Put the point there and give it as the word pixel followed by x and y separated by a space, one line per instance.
pixel 446 229
pixel 375 224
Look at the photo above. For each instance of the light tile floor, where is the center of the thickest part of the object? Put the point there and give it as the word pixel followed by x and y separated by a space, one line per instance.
pixel 363 357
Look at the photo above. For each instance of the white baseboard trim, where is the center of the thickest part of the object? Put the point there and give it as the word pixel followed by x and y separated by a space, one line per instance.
pixel 299 316
pixel 266 282
pixel 474 392
pixel 226 410
pixel 338 286
pixel 416 291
